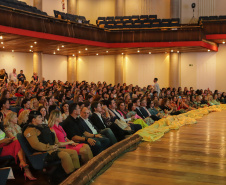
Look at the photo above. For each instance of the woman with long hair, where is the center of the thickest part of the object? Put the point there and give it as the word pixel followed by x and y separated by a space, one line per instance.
pixel 82 149
pixel 11 131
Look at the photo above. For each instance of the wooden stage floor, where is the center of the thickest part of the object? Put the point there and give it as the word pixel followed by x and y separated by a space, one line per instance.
pixel 194 154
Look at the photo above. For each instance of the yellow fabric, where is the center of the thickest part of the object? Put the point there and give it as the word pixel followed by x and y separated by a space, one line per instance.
pixel 159 128
pixel 140 122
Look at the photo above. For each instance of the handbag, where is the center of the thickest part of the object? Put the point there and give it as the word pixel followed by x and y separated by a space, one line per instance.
pixel 122 124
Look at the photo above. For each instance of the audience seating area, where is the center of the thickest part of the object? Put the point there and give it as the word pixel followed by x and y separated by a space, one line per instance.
pixel 70 17
pixel 211 18
pixel 21 6
pixel 135 21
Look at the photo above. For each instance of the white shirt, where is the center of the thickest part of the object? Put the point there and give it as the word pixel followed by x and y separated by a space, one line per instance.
pixel 91 127
pixel 99 115
pixel 157 88
pixel 13 77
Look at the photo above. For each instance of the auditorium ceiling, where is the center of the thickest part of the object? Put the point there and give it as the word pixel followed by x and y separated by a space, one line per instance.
pixel 20 43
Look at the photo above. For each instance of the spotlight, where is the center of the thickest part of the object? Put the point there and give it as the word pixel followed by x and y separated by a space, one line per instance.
pixel 54 52
pixel 149 53
pixel 35 42
pixel 138 51
pixel 30 50
pixel 1 37
pixel 178 51
pixel 3 47
pixel 86 49
pixel 73 55
pixel 208 50
pixel 97 54
pixel 223 42
pixel 12 50
pixel 2 43
pixel 58 49
pixel 171 51
pixel 122 53
pixel 31 46
pixel 79 51
pixel 62 46
pixel 106 51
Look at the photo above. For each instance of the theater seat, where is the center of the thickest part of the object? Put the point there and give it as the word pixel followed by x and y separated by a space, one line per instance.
pixel 4 172
pixel 37 160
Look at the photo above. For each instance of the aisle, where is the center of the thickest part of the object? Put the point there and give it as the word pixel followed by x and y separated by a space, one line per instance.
pixel 194 154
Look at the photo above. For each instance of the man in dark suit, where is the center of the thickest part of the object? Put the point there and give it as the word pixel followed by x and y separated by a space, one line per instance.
pixel 142 110
pixel 89 127
pixel 75 131
pixel 101 123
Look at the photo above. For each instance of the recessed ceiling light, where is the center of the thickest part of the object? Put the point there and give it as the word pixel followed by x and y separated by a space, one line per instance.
pixel 12 50
pixel 86 49
pixel 223 42
pixel 97 54
pixel 138 51
pixel 106 51
pixel 73 55
pixel 171 51
pixel 3 46
pixel 31 46
pixel 149 53
pixel 35 42
pixel 208 50
pixel 58 49
pixel 122 53
pixel 79 51
pixel 30 50
pixel 54 52
pixel 2 43
pixel 62 46
pixel 178 51
pixel 1 37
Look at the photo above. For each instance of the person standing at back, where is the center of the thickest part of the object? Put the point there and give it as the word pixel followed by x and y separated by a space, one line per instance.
pixel 13 76
pixel 156 86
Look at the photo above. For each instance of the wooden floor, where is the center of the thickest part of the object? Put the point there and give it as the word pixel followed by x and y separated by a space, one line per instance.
pixel 194 154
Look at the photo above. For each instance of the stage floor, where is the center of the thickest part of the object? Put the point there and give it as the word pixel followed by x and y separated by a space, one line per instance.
pixel 194 154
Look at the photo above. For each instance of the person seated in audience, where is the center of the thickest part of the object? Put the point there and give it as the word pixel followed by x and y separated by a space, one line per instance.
pixel 223 98
pixel 35 77
pixel 112 107
pixel 164 106
pixel 204 100
pixel 19 92
pixel 11 131
pixel 82 149
pixel 215 100
pixel 42 139
pixel 23 118
pixel 61 99
pixel 135 118
pixel 68 95
pixel 34 104
pixel 101 118
pixel 25 105
pixel 143 115
pixel 65 110
pixel 4 107
pixel 41 100
pixel 151 108
pixel 89 127
pixel 75 131
pixel 43 112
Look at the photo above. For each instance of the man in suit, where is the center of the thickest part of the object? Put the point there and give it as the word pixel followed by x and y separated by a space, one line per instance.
pixel 89 127
pixel 76 132
pixel 112 107
pixel 100 122
pixel 142 111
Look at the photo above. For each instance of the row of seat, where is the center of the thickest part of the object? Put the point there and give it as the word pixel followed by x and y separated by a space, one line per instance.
pixel 21 6
pixel 126 18
pixel 140 23
pixel 70 17
pixel 206 18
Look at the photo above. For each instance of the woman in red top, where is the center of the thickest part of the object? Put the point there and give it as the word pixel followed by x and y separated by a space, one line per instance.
pixel 82 149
